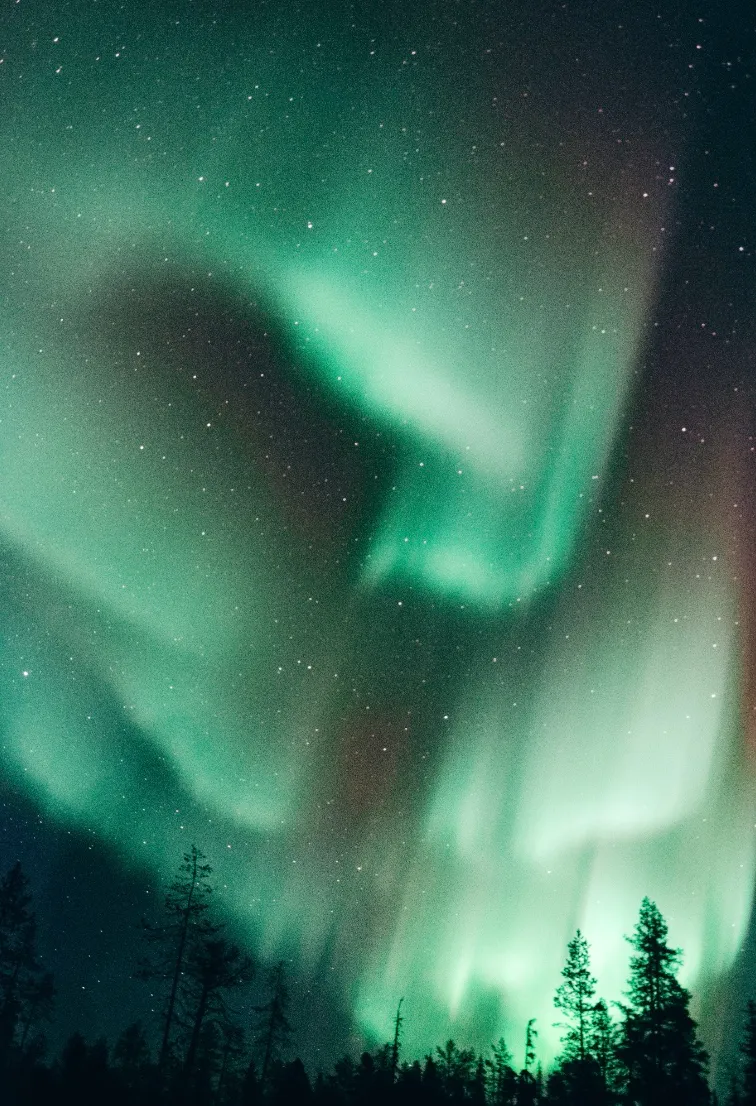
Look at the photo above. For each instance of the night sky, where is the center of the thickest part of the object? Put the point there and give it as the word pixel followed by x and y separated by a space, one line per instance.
pixel 378 500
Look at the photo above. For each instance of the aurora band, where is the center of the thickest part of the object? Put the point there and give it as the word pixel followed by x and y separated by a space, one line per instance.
pixel 476 298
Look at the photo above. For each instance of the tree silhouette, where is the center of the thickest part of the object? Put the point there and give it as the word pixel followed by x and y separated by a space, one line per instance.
pixel 214 966
pixel 26 992
pixel 652 1058
pixel 131 1060
pixel 187 924
pixel 742 1090
pixel 604 1048
pixel 527 1083
pixel 502 1078
pixel 531 1034
pixel 84 1076
pixel 251 1091
pixel 372 1080
pixel 432 1089
pixel 291 1087
pixel 272 1029
pixel 476 1087
pixel 37 1005
pixel 230 1053
pixel 575 999
pixel 581 1077
pixel 455 1068
pixel 664 1063
pixel 733 1092
pixel 397 1040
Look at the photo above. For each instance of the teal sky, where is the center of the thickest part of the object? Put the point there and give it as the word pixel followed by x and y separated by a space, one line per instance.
pixel 376 507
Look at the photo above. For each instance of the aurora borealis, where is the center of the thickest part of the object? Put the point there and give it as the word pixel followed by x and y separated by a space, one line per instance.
pixel 378 494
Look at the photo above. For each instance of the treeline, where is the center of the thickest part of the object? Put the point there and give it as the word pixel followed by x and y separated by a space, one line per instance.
pixel 643 1051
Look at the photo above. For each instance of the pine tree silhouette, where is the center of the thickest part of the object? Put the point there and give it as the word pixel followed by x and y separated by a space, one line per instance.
pixel 575 999
pixel 664 1063
pixel 580 1078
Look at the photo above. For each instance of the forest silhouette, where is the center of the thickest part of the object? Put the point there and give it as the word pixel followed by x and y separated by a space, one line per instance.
pixel 198 1050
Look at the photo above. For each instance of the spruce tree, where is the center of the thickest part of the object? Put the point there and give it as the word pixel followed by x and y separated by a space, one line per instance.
pixel 664 1063
pixel 575 999
pixel 587 1039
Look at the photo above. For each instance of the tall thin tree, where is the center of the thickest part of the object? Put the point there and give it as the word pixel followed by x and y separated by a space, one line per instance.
pixel 186 923
pixel 395 1044
pixel 273 1030
pixel 531 1033
pixel 575 998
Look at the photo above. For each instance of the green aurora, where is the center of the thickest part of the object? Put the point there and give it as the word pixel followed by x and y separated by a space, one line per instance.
pixel 321 342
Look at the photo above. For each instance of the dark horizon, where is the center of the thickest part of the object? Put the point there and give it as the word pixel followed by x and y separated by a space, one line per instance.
pixel 216 1027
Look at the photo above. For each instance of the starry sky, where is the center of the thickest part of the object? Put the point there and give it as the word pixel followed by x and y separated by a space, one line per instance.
pixel 378 503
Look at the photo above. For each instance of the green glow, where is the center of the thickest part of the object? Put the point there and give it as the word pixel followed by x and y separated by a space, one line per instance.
pixel 487 324
pixel 482 509
pixel 569 831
